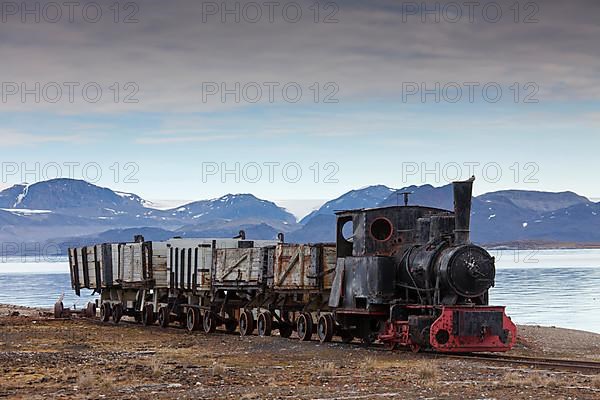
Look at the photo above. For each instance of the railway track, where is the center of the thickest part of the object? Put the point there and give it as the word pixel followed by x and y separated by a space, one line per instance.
pixel 584 366
pixel 537 362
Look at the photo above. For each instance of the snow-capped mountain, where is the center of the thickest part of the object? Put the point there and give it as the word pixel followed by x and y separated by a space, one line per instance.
pixel 83 212
pixel 70 196
pixel 242 208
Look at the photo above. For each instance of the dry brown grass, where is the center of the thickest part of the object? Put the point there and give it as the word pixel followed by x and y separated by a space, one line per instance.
pixel 427 371
pixel 85 379
pixel 596 382
pixel 372 362
pixel 218 369
pixel 327 368
pixel 532 379
pixel 155 366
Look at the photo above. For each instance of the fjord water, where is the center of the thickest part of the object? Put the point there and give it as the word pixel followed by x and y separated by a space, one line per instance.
pixel 542 287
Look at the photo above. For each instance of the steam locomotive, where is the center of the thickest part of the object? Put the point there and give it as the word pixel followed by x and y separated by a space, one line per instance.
pixel 401 275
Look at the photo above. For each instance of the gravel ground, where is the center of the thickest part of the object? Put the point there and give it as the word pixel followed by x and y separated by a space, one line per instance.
pixel 79 359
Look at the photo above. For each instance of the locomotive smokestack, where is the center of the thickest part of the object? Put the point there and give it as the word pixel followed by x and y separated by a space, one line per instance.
pixel 463 191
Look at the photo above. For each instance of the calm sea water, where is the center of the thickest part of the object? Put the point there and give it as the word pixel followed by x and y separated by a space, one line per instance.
pixel 546 287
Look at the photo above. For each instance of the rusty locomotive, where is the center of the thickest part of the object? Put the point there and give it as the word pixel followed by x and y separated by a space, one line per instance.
pixel 402 275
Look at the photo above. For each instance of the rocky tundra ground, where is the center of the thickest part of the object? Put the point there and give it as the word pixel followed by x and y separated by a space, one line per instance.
pixel 43 358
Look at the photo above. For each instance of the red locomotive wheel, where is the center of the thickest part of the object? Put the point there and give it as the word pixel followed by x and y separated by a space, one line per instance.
pixel 148 317
pixel 105 312
pixel 246 323
pixel 193 319
pixel 304 326
pixel 209 322
pixel 164 317
pixel 325 328
pixel 117 313
pixel 265 323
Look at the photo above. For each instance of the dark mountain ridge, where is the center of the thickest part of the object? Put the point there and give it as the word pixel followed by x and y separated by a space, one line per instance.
pixel 66 210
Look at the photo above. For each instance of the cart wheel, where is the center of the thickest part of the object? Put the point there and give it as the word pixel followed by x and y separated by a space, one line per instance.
pixel 246 323
pixel 105 312
pixel 117 313
pixel 164 316
pixel 285 329
pixel 325 328
pixel 148 317
pixel 90 310
pixel 58 309
pixel 193 319
pixel 304 326
pixel 209 322
pixel 265 323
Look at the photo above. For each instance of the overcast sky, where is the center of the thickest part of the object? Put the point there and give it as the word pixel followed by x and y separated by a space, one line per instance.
pixel 347 96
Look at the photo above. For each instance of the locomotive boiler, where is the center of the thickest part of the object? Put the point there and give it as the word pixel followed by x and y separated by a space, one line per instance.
pixel 403 275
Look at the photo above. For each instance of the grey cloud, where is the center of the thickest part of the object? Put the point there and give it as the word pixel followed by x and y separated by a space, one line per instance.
pixel 369 53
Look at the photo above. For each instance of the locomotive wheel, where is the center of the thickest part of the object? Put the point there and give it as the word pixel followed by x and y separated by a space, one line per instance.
pixel 265 323
pixel 209 322
pixel 105 312
pixel 246 323
pixel 117 313
pixel 325 328
pixel 285 329
pixel 193 319
pixel 163 317
pixel 148 317
pixel 304 326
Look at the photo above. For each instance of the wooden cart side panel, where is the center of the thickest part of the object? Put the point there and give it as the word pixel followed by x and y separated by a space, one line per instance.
pixel 103 252
pixel 296 267
pixel 205 257
pixel 74 269
pixel 116 262
pixel 131 256
pixel 95 266
pixel 328 263
pixel 158 270
pixel 244 266
pixel 80 267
